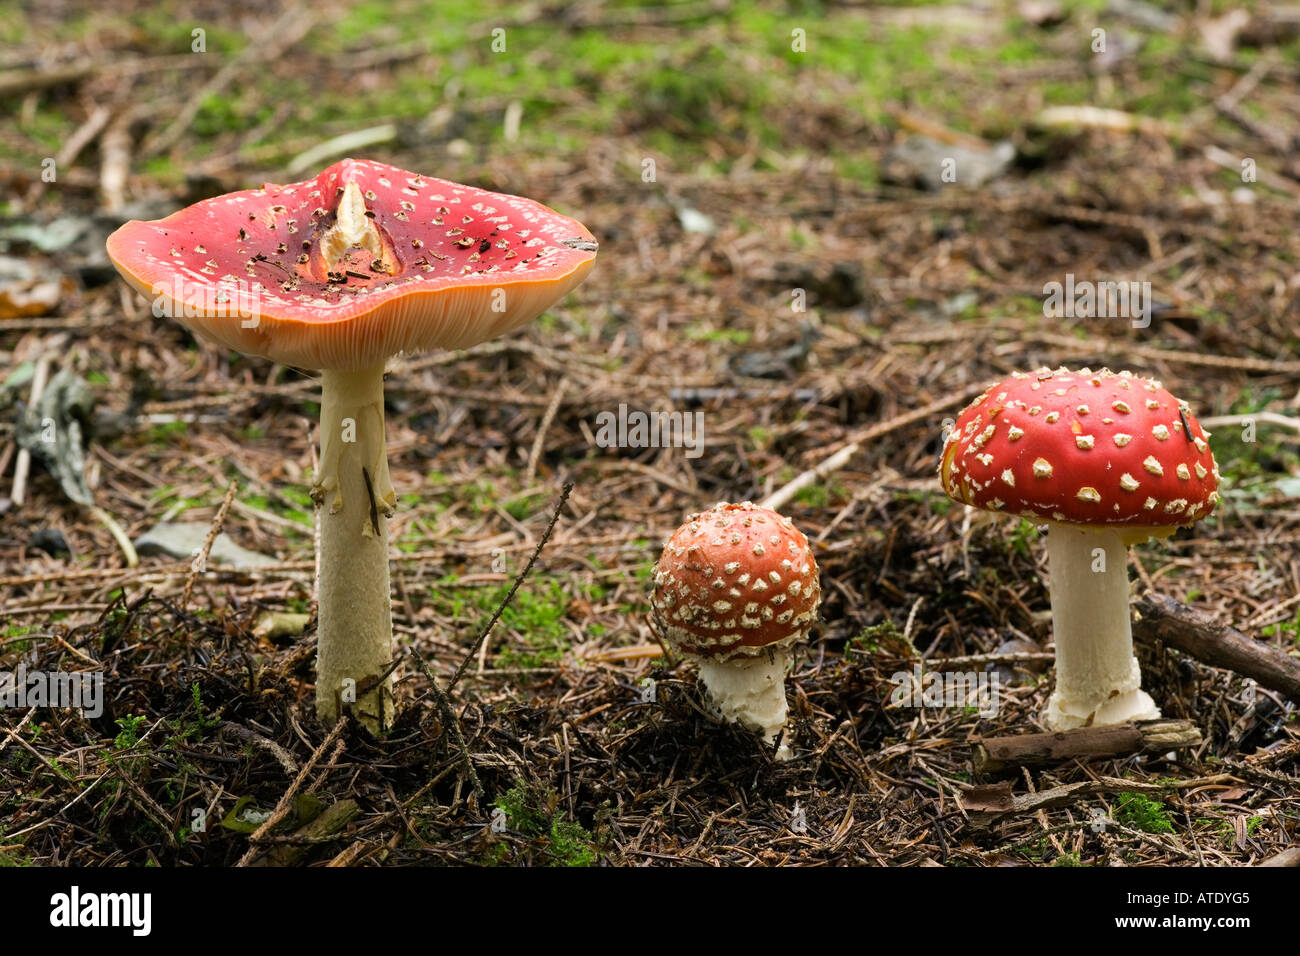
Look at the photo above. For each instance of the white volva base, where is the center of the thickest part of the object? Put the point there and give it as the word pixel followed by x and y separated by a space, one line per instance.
pixel 1097 677
pixel 750 691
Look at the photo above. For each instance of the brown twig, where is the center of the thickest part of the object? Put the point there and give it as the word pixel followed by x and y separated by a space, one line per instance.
pixel 200 561
pixel 853 444
pixel 449 719
pixel 991 754
pixel 286 801
pixel 519 579
pixel 1215 643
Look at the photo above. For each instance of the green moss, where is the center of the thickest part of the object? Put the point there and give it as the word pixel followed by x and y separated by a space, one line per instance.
pixel 1140 812
pixel 1290 629
pixel 571 844
pixel 533 813
pixel 883 639
pixel 166 433
pixel 129 735
pixel 10 856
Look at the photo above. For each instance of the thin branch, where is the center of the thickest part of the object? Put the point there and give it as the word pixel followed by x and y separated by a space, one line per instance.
pixel 449 720
pixel 546 535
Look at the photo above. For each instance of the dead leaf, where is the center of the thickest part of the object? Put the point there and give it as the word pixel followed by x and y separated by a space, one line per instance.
pixel 27 300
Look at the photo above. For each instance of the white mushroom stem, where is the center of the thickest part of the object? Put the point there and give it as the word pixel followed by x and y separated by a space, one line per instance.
pixel 354 496
pixel 750 691
pixel 1097 677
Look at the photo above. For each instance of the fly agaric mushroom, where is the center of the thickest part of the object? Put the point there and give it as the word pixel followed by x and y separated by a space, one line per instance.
pixel 735 587
pixel 1106 460
pixel 338 273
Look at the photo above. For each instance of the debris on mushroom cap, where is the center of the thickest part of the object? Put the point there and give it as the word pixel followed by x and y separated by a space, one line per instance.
pixel 1082 447
pixel 439 265
pixel 734 580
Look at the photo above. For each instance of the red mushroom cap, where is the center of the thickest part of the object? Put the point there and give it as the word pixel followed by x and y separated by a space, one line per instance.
pixel 1086 448
pixel 733 580
pixel 451 266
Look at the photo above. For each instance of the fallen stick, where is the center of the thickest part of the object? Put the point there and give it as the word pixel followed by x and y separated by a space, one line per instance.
pixel 286 801
pixel 1095 117
pixel 348 857
pixel 23 464
pixel 25 81
pixel 991 754
pixel 914 123
pixel 1197 633
pixel 451 723
pixel 83 136
pixel 324 829
pixel 840 458
pixel 200 562
pixel 341 145
pixel 1259 418
pixel 480 642
pixel 115 149
pixel 119 535
pixel 989 802
pixel 539 441
pixel 253 737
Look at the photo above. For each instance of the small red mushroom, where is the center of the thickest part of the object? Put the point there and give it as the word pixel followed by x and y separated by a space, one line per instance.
pixel 1106 460
pixel 338 273
pixel 735 587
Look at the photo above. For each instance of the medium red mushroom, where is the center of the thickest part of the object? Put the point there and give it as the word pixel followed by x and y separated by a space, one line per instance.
pixel 338 273
pixel 1105 460
pixel 734 589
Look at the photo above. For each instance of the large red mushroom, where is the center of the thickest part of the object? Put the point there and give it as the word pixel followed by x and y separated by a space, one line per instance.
pixel 338 273
pixel 1105 460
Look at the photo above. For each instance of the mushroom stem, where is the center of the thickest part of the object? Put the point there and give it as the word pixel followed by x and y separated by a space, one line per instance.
pixel 750 691
pixel 354 496
pixel 1097 677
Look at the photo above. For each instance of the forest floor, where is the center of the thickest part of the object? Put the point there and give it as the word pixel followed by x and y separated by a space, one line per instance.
pixel 773 170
